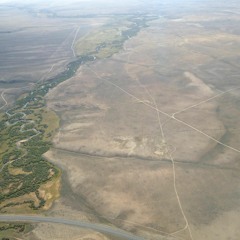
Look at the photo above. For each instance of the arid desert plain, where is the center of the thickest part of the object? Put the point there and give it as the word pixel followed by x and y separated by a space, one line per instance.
pixel 142 136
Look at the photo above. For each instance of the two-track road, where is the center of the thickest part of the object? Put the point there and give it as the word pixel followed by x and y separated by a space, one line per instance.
pixel 77 223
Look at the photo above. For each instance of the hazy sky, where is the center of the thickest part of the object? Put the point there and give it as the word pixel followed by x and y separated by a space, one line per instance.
pixel 67 2
pixel 50 1
pixel 59 2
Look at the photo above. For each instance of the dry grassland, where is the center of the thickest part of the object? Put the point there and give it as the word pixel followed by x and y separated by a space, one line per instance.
pixel 124 119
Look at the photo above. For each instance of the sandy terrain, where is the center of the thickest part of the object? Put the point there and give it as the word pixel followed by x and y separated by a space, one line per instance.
pixel 62 232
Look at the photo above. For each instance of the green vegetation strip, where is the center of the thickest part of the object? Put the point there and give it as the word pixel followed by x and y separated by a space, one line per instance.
pixel 110 38
pixel 24 138
pixel 26 130
pixel 13 229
